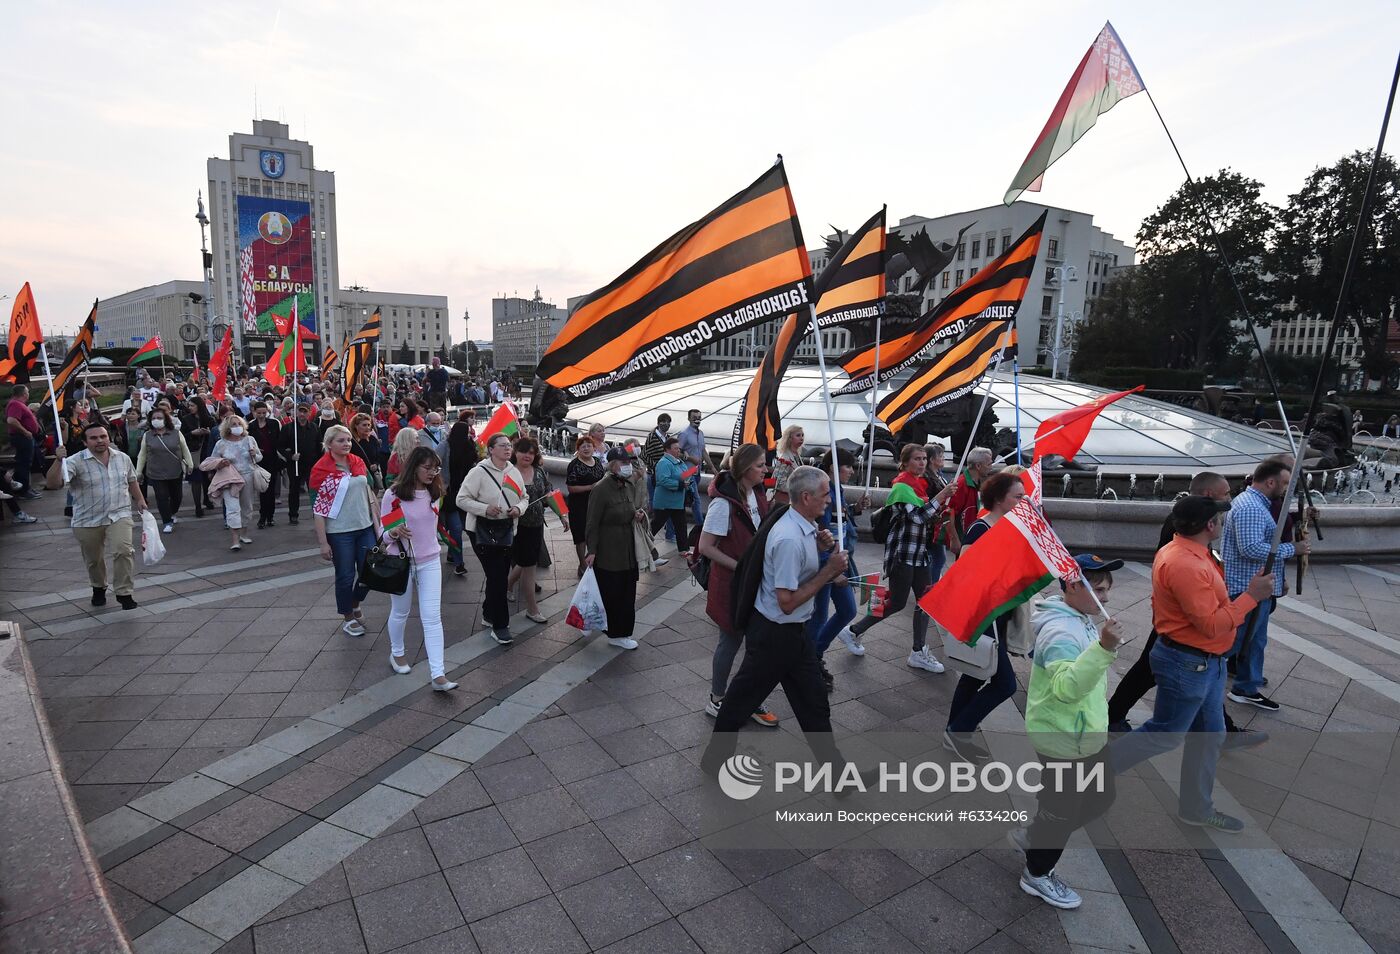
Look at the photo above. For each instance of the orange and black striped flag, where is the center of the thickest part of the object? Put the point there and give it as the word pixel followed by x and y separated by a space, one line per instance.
pixel 952 374
pixel 77 358
pixel 370 330
pixel 850 288
pixel 993 293
pixel 357 354
pixel 329 361
pixel 740 265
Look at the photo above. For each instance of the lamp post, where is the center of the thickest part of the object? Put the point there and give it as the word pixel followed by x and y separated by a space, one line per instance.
pixel 207 261
pixel 1063 274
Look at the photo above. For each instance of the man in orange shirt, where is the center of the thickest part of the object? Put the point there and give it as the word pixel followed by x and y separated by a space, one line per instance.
pixel 1195 620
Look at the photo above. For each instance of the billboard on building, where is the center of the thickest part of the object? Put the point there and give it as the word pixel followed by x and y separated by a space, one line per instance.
pixel 276 263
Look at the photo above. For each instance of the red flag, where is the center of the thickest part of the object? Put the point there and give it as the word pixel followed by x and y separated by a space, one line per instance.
pixel 504 422
pixel 151 349
pixel 690 472
pixel 218 367
pixel 1064 433
pixel 25 338
pixel 289 357
pixel 1012 562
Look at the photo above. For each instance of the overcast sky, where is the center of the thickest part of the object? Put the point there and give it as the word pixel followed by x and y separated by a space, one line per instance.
pixel 482 148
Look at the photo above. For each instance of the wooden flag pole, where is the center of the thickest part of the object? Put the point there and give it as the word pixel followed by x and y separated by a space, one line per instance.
pixel 831 434
pixel 972 438
pixel 53 403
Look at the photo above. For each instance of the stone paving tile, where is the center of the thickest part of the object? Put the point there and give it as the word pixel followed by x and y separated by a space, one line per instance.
pixel 389 860
pixel 577 760
pixel 536 816
pixel 306 786
pixel 522 776
pixel 609 793
pixel 644 831
pixel 737 923
pixel 611 907
pixel 217 732
pixel 126 766
pixel 574 856
pixel 539 927
pixel 686 877
pixel 408 912
pixel 544 735
pixel 242 823
pixel 159 734
pixel 466 837
pixel 360 755
pixel 870 874
pixel 463 794
pixel 495 883
pixel 325 890
pixel 808 900
pixel 934 920
pixel 160 870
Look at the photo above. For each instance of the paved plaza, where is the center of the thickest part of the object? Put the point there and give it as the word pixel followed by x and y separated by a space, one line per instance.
pixel 253 780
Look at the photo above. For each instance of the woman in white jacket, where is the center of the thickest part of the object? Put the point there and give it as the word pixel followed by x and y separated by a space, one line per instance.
pixel 491 497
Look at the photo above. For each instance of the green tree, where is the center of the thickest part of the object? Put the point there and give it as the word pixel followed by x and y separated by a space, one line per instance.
pixel 1315 238
pixel 405 354
pixel 473 357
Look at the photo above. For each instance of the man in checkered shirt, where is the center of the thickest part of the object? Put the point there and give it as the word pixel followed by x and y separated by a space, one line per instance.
pixel 1249 533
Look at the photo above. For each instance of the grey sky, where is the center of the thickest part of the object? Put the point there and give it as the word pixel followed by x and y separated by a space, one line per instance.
pixel 482 148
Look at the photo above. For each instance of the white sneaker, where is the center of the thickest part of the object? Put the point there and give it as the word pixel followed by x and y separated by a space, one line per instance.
pixel 1050 889
pixel 622 642
pixel 659 562
pixel 851 641
pixel 23 517
pixel 167 529
pixel 712 706
pixel 245 539
pixel 923 659
pixel 353 627
pixel 443 686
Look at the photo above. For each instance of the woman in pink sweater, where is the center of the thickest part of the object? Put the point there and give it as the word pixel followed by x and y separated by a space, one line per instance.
pixel 415 495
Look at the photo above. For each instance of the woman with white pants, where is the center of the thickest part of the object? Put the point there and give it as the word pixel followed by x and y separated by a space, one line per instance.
pixel 236 449
pixel 415 493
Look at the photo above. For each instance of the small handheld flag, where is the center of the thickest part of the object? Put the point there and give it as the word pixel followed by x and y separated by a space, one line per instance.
pixel 394 518
pixel 555 501
pixel 510 482
pixel 1065 433
pixel 904 494
pixel 690 472
pixel 503 421
pixel 149 350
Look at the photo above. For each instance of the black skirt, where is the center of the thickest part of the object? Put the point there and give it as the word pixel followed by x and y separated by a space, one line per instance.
pixel 578 516
pixel 529 541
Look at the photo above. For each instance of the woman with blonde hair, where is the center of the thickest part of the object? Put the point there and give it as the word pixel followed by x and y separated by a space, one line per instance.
pixel 236 449
pixel 404 442
pixel 344 525
pixel 788 457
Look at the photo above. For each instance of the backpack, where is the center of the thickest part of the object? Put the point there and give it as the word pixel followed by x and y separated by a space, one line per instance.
pixel 880 522
pixel 699 565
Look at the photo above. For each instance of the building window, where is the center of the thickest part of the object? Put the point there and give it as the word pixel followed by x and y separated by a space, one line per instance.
pixel 960 271
pixel 962 250
pixel 1054 248
pixel 945 279
pixel 976 248
pixel 1045 304
pixel 1005 243
pixel 1096 288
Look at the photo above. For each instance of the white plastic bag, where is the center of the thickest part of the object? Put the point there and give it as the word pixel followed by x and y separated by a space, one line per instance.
pixel 152 549
pixel 586 608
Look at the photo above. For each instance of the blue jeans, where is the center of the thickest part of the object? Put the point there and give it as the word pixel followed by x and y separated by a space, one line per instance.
pixel 23 446
pixel 937 560
pixel 695 510
pixel 1190 701
pixel 821 630
pixel 974 700
pixel 347 551
pixel 452 517
pixel 1249 668
pixel 651 495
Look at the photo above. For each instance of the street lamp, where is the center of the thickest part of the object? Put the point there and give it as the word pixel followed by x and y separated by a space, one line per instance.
pixel 1063 274
pixel 208 263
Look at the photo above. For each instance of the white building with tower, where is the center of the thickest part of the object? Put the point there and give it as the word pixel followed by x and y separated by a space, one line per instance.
pixel 522 328
pixel 412 326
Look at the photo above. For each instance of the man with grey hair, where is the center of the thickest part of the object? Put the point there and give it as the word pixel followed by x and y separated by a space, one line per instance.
pixel 779 589
pixel 963 505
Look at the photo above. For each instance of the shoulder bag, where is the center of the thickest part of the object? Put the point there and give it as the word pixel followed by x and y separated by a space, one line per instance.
pixel 495 531
pixel 386 572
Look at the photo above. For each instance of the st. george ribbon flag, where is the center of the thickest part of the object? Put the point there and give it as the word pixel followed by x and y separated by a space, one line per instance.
pixel 355 357
pixel 993 292
pixel 1106 76
pixel 742 264
pixel 851 288
pixel 952 374
pixel 65 381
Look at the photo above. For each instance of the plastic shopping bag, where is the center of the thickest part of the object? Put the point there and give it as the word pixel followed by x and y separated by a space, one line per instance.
pixel 586 608
pixel 152 549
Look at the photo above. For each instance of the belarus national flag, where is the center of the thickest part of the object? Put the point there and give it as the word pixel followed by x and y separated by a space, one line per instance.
pixel 555 501
pixel 509 481
pixel 1065 433
pixel 504 422
pixel 149 350
pixel 690 472
pixel 904 494
pixel 1014 560
pixel 289 357
pixel 394 518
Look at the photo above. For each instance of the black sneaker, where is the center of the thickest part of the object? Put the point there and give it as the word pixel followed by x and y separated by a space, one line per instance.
pixel 30 495
pixel 262 524
pixel 292 521
pixel 1121 727
pixel 459 569
pixel 271 522
pixel 965 748
pixel 1238 737
pixel 502 636
pixel 828 678
pixel 126 601
pixel 1258 700
pixel 68 511
pixel 99 596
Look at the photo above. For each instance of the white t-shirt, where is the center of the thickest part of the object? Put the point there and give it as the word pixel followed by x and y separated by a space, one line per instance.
pixel 149 397
pixel 717 517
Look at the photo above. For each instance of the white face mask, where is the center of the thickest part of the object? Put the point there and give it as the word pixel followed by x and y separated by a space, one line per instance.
pixel 158 423
pixel 625 471
pixel 327 415
pixel 177 423
pixel 236 431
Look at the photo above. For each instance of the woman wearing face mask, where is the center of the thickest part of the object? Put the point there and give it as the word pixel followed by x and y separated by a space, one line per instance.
pixel 165 460
pixel 237 450
pixel 493 491
pixel 612 549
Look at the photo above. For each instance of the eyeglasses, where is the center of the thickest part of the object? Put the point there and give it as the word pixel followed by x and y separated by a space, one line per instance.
pixel 431 468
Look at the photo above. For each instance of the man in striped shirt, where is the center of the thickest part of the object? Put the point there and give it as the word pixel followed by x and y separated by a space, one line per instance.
pixel 105 492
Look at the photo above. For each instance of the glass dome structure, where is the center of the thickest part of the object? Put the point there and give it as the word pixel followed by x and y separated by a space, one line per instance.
pixel 1136 434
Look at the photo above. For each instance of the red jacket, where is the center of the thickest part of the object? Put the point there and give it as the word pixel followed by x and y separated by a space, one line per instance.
pixel 963 505
pixel 741 531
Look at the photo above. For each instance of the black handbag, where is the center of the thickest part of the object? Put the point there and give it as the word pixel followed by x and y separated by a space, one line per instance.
pixel 386 572
pixel 495 532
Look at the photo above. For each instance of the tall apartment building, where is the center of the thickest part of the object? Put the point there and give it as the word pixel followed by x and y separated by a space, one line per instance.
pixel 522 328
pixel 132 318
pixel 413 326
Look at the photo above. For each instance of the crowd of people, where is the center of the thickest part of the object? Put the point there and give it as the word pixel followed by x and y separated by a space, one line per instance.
pixel 773 540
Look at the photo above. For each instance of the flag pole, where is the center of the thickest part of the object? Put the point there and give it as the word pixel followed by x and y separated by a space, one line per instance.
pixel 874 396
pixel 1016 396
pixel 972 437
pixel 53 402
pixel 831 432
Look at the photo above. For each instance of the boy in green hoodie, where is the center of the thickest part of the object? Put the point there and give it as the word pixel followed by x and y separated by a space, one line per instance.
pixel 1067 719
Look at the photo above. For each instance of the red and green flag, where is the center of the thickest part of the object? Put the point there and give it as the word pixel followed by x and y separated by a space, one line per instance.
pixel 149 350
pixel 555 501
pixel 690 472
pixel 1065 433
pixel 904 494
pixel 1014 560
pixel 1105 77
pixel 289 357
pixel 504 422
pixel 394 518
pixel 509 481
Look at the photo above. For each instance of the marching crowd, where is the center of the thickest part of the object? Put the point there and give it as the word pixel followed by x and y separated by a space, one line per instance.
pixel 775 548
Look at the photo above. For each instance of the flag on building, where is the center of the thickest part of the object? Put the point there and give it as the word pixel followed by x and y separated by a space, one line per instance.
pixel 555 501
pixel 25 338
pixel 851 288
pixel 503 421
pixel 394 518
pixel 66 380
pixel 1065 433
pixel 951 375
pixel 1106 76
pixel 994 293
pixel 218 367
pixel 149 350
pixel 1014 560
pixel 742 264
